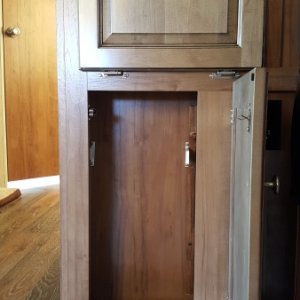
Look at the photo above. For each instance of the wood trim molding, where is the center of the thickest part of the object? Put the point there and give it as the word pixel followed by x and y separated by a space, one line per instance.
pixel 3 153
pixel 73 143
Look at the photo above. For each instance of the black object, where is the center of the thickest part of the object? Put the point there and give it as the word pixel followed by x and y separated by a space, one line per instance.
pixel 273 132
pixel 295 151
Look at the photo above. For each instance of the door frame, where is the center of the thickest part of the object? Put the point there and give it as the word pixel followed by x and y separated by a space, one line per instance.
pixel 3 150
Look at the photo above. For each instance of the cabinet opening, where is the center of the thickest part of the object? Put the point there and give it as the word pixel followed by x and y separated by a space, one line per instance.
pixel 142 196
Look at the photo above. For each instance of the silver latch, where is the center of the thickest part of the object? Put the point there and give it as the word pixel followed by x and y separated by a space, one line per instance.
pixel 224 74
pixel 187 154
pixel 245 116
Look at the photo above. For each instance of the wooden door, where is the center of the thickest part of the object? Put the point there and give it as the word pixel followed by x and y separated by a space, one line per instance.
pixel 119 34
pixel 31 89
pixel 142 195
pixel 247 158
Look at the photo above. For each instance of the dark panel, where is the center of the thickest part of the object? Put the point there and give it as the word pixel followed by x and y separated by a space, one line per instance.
pixel 279 211
pixel 273 131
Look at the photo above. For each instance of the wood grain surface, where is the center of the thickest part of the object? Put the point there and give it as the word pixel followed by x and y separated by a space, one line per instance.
pixel 141 196
pixel 282 34
pixel 245 51
pixel 212 207
pixel 29 246
pixel 31 89
pixel 3 154
pixel 73 143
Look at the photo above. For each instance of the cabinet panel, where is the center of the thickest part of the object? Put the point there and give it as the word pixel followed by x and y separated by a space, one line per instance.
pixel 167 22
pixel 141 196
pixel 170 34
pixel 166 16
pixel 120 233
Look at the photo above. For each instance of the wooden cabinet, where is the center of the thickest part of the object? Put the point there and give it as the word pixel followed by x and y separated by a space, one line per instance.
pixel 145 226
pixel 136 223
pixel 117 34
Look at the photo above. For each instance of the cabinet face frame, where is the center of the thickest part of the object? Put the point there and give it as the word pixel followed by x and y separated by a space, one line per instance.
pixel 213 119
pixel 75 160
pixel 247 52
pixel 207 196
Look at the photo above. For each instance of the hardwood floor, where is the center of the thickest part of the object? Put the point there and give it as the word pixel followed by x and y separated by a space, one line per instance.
pixel 29 246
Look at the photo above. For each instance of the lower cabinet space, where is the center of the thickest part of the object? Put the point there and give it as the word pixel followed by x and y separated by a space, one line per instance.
pixel 142 195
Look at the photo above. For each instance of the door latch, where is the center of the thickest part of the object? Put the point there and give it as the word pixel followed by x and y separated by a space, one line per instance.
pixel 187 154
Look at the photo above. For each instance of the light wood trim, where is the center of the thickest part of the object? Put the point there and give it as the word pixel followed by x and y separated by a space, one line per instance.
pixel 212 201
pixel 158 81
pixel 3 153
pixel 73 140
pixel 246 53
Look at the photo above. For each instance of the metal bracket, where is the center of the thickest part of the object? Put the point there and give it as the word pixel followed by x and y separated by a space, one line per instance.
pixel 120 74
pixel 91 113
pixel 224 74
pixel 247 117
pixel 187 154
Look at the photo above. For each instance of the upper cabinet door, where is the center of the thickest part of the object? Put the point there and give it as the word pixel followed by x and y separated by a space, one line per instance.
pixel 131 34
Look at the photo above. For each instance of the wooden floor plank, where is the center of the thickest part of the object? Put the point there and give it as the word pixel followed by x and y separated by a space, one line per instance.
pixel 48 286
pixel 20 214
pixel 29 246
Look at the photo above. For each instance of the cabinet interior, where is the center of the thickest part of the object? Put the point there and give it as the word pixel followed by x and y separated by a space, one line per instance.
pixel 144 204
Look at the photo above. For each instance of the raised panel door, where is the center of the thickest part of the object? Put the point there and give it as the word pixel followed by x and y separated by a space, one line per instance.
pixel 127 34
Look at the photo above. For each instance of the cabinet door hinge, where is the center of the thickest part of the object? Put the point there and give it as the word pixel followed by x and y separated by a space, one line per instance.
pixel 114 73
pixel 224 74
pixel 91 113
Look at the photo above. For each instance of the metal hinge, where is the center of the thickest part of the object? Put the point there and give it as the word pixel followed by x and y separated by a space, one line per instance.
pixel 91 113
pixel 224 74
pixel 114 73
pixel 92 153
